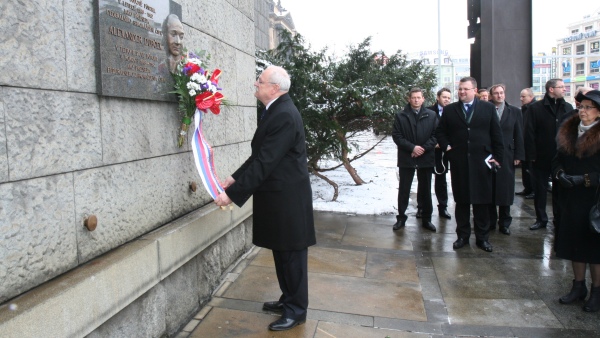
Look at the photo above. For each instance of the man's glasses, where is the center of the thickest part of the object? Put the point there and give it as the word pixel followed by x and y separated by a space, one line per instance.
pixel 559 87
pixel 464 89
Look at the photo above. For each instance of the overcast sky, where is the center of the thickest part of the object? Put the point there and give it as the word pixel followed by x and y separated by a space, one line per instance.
pixel 411 25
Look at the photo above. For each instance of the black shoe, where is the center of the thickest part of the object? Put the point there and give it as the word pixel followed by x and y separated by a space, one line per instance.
pixel 504 230
pixel 523 193
pixel 273 306
pixel 419 213
pixel 530 196
pixel 283 324
pixel 484 245
pixel 578 291
pixel 537 226
pixel 427 225
pixel 399 224
pixel 593 303
pixel 460 242
pixel 444 213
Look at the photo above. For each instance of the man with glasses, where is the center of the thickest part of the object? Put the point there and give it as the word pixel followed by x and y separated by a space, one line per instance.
pixel 469 131
pixel 543 119
pixel 277 176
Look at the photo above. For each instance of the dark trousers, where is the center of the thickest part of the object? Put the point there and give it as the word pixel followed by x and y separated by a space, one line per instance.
pixel 292 274
pixel 441 184
pixel 480 218
pixel 501 214
pixel 423 191
pixel 526 176
pixel 540 182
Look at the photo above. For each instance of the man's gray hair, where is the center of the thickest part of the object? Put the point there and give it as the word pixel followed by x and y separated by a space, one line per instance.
pixel 529 91
pixel 280 77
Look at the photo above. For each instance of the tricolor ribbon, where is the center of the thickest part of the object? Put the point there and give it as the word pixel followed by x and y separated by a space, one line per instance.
pixel 203 154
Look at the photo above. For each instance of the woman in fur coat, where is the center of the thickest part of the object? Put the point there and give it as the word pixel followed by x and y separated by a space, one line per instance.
pixel 577 168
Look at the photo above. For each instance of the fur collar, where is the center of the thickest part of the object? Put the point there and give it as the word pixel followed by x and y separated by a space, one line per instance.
pixel 584 146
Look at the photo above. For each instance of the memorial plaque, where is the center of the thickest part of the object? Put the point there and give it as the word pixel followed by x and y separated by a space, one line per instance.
pixel 139 41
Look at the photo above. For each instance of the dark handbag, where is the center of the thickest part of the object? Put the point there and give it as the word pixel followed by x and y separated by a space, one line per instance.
pixel 595 216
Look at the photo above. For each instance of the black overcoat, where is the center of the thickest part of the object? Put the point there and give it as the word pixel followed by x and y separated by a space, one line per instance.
pixel 441 164
pixel 471 144
pixel 577 156
pixel 543 119
pixel 276 174
pixel 511 123
pixel 411 130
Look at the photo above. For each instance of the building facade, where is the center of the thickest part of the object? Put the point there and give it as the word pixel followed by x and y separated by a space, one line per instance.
pixel 577 59
pixel 542 72
pixel 451 71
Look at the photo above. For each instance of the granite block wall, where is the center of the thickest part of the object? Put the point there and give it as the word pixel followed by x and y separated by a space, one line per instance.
pixel 67 153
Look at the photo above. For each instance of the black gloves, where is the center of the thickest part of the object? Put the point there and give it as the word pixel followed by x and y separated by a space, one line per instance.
pixel 568 181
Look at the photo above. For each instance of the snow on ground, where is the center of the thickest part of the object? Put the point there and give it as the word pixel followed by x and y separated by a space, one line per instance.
pixel 378 168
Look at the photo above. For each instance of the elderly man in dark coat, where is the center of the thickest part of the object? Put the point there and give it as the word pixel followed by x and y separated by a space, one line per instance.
pixel 470 132
pixel 503 179
pixel 414 134
pixel 276 174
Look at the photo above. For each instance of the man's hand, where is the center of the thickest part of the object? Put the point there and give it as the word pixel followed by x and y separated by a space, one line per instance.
pixel 228 181
pixel 517 162
pixel 495 162
pixel 223 200
pixel 417 151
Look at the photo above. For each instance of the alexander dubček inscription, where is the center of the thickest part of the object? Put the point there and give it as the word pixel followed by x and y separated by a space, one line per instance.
pixel 135 48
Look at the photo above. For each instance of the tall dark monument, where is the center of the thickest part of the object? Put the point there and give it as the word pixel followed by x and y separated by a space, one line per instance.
pixel 502 49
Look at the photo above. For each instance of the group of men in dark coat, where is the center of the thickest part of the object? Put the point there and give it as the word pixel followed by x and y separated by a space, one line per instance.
pixel 483 142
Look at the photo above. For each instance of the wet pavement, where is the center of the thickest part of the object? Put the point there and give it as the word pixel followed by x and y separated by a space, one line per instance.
pixel 366 280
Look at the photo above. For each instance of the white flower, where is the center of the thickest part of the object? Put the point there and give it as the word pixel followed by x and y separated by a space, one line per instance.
pixel 193 86
pixel 212 88
pixel 197 77
pixel 192 92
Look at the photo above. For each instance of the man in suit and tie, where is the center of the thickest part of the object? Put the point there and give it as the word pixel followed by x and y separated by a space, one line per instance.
pixel 444 97
pixel 503 179
pixel 470 133
pixel 276 175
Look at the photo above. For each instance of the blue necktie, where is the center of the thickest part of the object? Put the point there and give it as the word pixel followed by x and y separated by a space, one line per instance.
pixel 262 115
pixel 468 111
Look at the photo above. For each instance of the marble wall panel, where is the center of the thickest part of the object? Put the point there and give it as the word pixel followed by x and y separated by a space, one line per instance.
pixel 247 8
pixel 33 44
pixel 37 232
pixel 3 154
pixel 129 200
pixel 225 128
pixel 246 76
pixel 49 132
pixel 138 129
pixel 80 45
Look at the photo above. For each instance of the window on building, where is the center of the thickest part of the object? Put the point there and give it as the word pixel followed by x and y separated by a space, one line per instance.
pixel 537 89
pixel 595 85
pixel 595 66
pixel 536 70
pixel 567 51
pixel 537 80
pixel 580 49
pixel 579 69
pixel 574 31
pixel 594 47
pixel 588 28
pixel 567 89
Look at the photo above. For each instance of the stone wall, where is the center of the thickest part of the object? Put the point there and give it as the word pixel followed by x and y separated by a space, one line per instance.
pixel 67 153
